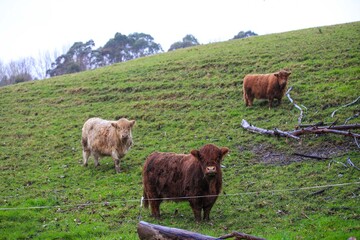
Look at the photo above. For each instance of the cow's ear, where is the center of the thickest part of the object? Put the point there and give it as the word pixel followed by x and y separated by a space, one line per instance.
pixel 288 73
pixel 224 151
pixel 195 153
pixel 114 125
pixel 276 74
pixel 132 123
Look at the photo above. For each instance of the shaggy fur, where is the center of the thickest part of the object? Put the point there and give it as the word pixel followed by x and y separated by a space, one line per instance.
pixel 182 176
pixel 106 138
pixel 265 86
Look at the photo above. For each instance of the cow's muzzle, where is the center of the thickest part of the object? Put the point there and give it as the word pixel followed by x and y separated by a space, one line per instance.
pixel 210 171
pixel 125 136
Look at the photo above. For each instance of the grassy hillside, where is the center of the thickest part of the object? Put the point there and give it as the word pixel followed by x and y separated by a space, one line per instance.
pixel 182 100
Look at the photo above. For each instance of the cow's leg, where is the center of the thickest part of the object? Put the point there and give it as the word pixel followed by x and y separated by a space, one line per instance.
pixel 96 160
pixel 155 208
pixel 116 158
pixel 196 207
pixel 208 204
pixel 271 99
pixel 250 99
pixel 117 165
pixel 246 99
pixel 86 155
pixel 207 213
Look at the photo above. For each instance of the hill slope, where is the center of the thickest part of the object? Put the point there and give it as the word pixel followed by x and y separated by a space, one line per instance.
pixel 182 100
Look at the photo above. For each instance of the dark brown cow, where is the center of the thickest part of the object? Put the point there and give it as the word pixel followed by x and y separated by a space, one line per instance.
pixel 180 177
pixel 265 86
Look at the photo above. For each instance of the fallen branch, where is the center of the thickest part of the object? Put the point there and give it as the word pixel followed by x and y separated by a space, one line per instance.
pixel 310 156
pixel 311 125
pixel 356 141
pixel 346 105
pixel 318 192
pixel 349 118
pixel 331 125
pixel 337 163
pixel 148 231
pixel 251 128
pixel 336 129
pixel 323 130
pixel 351 164
pixel 297 106
pixel 239 235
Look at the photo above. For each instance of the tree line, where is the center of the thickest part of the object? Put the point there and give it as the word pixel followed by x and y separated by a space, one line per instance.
pixel 84 56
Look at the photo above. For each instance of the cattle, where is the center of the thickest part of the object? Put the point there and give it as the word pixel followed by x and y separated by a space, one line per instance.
pixel 265 86
pixel 195 177
pixel 106 138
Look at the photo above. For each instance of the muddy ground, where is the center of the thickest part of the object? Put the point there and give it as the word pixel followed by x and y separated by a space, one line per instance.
pixel 305 151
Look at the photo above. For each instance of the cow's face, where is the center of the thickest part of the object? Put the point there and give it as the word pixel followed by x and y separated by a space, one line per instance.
pixel 282 77
pixel 210 158
pixel 123 128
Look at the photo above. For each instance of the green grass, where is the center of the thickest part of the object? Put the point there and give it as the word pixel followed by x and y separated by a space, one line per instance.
pixel 182 100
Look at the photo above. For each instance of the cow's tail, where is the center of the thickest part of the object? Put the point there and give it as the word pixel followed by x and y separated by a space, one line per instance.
pixel 244 95
pixel 84 142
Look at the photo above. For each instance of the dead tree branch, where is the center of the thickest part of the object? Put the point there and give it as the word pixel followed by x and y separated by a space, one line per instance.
pixel 239 235
pixel 349 118
pixel 335 129
pixel 315 130
pixel 276 132
pixel 148 231
pixel 297 106
pixel 310 156
pixel 346 105
pixel 351 164
pixel 356 141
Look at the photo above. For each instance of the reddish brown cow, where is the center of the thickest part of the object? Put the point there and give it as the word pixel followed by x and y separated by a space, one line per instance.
pixel 265 86
pixel 195 177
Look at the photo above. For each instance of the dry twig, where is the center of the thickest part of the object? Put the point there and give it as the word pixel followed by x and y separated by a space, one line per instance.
pixel 297 106
pixel 346 105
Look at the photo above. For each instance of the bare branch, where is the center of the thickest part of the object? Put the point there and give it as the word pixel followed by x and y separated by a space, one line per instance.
pixel 351 164
pixel 312 130
pixel 310 156
pixel 349 118
pixel 346 105
pixel 356 141
pixel 280 133
pixel 239 235
pixel 297 106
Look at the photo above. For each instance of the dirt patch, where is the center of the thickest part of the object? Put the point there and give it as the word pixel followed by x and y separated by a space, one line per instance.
pixel 270 154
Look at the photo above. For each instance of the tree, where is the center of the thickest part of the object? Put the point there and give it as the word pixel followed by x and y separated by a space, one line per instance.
pixel 16 71
pixel 122 48
pixel 78 58
pixel 116 49
pixel 143 45
pixel 44 61
pixel 188 41
pixel 243 34
pixel 3 76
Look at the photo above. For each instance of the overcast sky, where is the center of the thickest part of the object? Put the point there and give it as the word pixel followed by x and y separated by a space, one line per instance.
pixel 28 27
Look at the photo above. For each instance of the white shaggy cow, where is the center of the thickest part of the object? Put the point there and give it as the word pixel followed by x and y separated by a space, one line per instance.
pixel 106 138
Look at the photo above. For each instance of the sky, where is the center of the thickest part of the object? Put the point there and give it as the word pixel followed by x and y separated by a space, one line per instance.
pixel 29 28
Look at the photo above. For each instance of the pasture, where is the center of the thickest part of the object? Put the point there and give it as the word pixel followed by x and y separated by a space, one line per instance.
pixel 182 100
